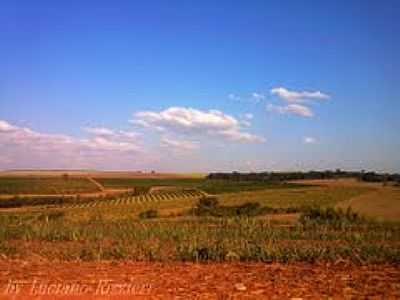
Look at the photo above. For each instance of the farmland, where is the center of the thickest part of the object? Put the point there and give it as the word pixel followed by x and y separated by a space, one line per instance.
pixel 46 185
pixel 140 226
pixel 196 220
pixel 209 186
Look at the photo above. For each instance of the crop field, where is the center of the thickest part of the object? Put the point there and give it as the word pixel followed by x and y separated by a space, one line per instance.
pixel 194 220
pixel 145 200
pixel 46 185
pixel 208 186
pixel 382 204
pixel 125 221
pixel 310 196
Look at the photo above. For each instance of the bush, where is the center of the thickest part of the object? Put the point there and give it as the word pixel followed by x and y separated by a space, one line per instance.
pixel 208 206
pixel 149 214
pixel 140 190
pixel 208 202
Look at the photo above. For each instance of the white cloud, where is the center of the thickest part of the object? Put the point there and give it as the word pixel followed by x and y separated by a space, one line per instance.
pixel 179 144
pixel 129 134
pixel 102 131
pixel 182 118
pixel 309 140
pixel 295 109
pixel 257 97
pixel 193 122
pixel 25 146
pixel 6 127
pixel 145 124
pixel 298 109
pixel 105 144
pixel 298 96
pixel 295 101
pixel 242 137
pixel 111 134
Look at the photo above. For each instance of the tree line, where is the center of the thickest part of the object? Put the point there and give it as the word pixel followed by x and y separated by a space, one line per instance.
pixel 328 174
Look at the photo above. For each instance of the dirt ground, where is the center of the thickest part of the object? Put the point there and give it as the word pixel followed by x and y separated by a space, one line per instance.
pixel 132 280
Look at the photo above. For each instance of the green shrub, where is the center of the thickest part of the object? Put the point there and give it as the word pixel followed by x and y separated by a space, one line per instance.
pixel 140 190
pixel 208 202
pixel 208 206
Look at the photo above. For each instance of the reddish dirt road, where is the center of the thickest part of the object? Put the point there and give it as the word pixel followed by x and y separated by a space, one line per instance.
pixel 131 280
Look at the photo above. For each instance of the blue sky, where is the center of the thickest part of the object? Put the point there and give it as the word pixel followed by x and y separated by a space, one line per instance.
pixel 200 85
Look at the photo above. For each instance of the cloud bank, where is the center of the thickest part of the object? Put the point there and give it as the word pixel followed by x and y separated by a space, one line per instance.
pixel 21 146
pixel 177 129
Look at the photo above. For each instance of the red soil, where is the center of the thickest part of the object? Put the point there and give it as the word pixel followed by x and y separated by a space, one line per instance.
pixel 197 281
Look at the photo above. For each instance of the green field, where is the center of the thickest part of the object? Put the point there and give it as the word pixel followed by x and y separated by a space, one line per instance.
pixel 162 225
pixel 206 185
pixel 45 185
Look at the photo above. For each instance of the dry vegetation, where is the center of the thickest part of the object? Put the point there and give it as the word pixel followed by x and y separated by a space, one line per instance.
pixel 382 204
